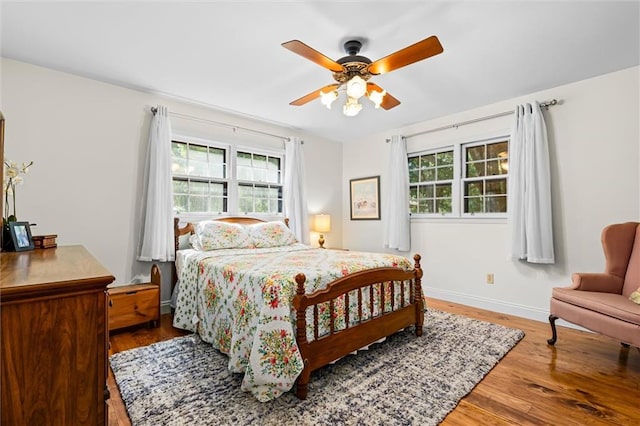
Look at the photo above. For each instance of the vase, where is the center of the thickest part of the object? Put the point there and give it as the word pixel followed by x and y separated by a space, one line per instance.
pixel 7 242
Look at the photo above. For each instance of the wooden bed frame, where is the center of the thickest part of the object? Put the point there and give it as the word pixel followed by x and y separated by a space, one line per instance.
pixel 335 344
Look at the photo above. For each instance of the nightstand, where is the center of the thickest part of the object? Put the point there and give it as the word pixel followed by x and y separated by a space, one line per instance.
pixel 135 304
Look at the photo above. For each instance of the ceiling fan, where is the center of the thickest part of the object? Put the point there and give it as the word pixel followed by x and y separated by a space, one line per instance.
pixel 353 71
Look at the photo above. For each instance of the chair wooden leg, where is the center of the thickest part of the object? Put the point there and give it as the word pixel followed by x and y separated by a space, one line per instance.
pixel 554 334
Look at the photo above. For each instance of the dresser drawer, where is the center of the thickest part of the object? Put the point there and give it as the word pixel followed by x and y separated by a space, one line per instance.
pixel 133 305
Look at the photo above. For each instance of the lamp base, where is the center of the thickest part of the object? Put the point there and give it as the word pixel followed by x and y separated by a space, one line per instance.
pixel 321 241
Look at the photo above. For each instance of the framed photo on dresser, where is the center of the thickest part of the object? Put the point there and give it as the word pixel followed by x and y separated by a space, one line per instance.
pixel 21 236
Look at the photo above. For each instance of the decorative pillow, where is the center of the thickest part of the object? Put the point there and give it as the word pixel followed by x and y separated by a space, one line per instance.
pixel 271 234
pixel 184 242
pixel 214 235
pixel 194 242
pixel 635 296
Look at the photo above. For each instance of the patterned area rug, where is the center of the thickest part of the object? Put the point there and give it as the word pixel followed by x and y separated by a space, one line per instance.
pixel 403 380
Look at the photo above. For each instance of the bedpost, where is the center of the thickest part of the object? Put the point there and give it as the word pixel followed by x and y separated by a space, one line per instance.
pixel 417 294
pixel 176 244
pixel 301 336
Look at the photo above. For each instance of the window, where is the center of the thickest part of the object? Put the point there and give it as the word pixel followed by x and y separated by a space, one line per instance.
pixel 204 180
pixel 259 183
pixel 431 182
pixel 468 179
pixel 485 177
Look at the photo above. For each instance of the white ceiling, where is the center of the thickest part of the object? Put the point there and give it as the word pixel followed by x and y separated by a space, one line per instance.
pixel 227 55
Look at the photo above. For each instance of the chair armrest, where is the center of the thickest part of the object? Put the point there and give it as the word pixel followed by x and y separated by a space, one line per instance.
pixel 591 281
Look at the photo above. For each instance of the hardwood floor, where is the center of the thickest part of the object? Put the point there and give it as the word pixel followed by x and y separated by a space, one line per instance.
pixel 585 379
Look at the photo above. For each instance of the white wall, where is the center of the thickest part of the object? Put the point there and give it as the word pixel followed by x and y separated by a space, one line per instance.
pixel 594 147
pixel 88 142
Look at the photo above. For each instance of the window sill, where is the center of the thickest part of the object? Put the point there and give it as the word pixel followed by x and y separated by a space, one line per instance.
pixel 458 219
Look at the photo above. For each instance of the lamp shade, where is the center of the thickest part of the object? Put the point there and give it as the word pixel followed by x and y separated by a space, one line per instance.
pixel 322 223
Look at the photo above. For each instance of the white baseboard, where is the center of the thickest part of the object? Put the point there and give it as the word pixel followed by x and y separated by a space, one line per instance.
pixel 165 307
pixel 528 312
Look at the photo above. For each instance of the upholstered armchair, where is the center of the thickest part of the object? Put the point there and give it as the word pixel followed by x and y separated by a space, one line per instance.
pixel 601 302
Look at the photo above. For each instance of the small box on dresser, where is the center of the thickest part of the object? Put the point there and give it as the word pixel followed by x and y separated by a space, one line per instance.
pixel 135 304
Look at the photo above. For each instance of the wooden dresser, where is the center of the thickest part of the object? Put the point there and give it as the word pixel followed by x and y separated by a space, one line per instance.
pixel 54 337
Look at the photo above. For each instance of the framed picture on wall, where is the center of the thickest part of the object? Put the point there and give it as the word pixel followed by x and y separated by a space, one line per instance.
pixel 21 236
pixel 365 198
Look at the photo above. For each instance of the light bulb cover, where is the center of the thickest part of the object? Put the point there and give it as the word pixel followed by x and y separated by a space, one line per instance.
pixel 328 98
pixel 356 87
pixel 377 97
pixel 352 107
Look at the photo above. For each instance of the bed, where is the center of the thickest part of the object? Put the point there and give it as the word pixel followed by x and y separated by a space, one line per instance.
pixel 280 309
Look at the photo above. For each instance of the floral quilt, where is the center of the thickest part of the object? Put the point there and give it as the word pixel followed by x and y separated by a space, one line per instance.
pixel 240 301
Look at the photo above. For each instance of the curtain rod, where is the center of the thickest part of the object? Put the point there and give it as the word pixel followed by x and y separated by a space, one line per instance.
pixel 545 104
pixel 154 110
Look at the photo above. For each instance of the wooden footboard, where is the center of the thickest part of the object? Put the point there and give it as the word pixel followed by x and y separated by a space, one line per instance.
pixel 326 348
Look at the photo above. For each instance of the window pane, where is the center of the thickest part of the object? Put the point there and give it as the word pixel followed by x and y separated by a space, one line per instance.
pixel 475 153
pixel 413 199
pixel 217 164
pixel 425 191
pixel 260 175
pixel 445 173
pixel 427 175
pixel 180 186
pixel 198 161
pixel 474 188
pixel 245 191
pixel 443 205
pixel 216 204
pixel 260 192
pixel 473 205
pixel 413 163
pixel 497 150
pixel 496 186
pixel 493 168
pixel 443 190
pixel 428 160
pixel 426 206
pixel 496 204
pixel 245 205
pixel 414 176
pixel 180 203
pixel 199 188
pixel 445 158
pixel 475 169
pixel 274 193
pixel 198 203
pixel 274 163
pixel 218 189
pixel 179 158
pixel 260 161
pixel 244 159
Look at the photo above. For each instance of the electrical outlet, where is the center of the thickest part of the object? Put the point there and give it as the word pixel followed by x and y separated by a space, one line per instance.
pixel 489 278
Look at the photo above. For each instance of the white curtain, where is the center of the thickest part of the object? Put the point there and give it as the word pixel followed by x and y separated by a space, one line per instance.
pixel 397 218
pixel 295 201
pixel 530 216
pixel 157 241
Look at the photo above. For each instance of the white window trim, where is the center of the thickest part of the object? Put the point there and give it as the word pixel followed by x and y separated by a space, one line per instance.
pixel 457 215
pixel 232 182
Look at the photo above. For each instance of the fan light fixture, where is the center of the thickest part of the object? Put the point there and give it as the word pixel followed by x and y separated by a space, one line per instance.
pixel 356 87
pixel 353 72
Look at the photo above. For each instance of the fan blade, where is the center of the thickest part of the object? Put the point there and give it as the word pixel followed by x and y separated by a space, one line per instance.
pixel 388 101
pixel 416 52
pixel 313 95
pixel 296 46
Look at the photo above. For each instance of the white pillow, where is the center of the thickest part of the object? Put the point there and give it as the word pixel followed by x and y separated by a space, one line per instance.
pixel 271 234
pixel 214 235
